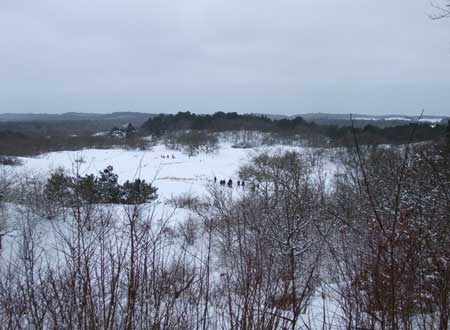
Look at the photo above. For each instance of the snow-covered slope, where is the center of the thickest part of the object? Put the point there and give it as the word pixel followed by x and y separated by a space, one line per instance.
pixel 174 174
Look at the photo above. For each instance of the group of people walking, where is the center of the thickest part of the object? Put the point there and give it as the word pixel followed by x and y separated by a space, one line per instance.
pixel 229 183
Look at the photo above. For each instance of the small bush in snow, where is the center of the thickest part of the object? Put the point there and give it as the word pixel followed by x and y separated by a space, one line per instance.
pixel 10 161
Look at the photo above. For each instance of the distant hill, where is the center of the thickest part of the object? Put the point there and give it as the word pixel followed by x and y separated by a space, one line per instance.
pixel 106 120
pixel 133 117
pixel 70 123
pixel 377 120
pixel 30 134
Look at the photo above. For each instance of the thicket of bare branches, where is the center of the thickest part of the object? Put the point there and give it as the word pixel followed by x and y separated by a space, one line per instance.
pixel 192 142
pixel 374 243
pixel 392 246
pixel 269 242
pixel 99 274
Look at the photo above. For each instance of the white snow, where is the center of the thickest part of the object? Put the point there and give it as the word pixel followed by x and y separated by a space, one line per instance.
pixel 172 176
pixel 366 118
pixel 397 118
pixel 431 120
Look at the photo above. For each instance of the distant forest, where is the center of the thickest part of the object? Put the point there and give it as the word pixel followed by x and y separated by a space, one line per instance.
pixel 25 138
pixel 323 135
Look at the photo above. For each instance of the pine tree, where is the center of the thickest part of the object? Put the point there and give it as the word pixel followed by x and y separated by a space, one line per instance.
pixel 138 192
pixel 87 189
pixel 130 131
pixel 57 188
pixel 108 187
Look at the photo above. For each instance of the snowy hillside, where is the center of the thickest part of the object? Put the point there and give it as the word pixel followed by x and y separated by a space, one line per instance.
pixel 175 173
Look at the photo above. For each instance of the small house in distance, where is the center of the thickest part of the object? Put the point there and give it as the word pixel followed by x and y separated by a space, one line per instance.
pixel 125 132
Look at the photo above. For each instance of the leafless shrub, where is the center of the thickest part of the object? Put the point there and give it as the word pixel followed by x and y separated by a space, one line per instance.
pixel 10 161
pixel 6 183
pixel 185 200
pixel 192 142
pixel 268 242
pixel 388 204
pixel 189 231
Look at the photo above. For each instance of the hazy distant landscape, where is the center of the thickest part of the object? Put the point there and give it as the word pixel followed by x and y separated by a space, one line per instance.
pixel 138 118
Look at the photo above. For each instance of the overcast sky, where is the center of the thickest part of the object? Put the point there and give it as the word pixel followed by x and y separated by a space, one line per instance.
pixel 270 56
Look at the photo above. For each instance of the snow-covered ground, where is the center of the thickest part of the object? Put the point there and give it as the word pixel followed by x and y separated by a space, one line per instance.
pixel 176 173
pixel 431 120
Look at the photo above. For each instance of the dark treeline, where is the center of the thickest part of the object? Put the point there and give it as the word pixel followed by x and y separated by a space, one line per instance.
pixel 33 138
pixel 27 138
pixel 219 121
pixel 19 144
pixel 326 134
pixel 62 127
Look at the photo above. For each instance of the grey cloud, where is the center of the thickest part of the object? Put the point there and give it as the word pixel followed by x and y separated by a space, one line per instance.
pixel 238 55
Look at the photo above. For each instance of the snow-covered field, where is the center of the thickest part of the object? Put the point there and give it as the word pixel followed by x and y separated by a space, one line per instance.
pixel 176 173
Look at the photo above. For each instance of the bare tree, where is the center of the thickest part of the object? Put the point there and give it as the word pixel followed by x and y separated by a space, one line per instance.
pixel 268 241
pixel 443 9
pixel 389 206
pixel 6 182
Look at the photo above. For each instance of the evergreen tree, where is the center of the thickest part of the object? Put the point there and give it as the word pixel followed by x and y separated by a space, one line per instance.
pixel 58 188
pixel 108 188
pixel 62 190
pixel 130 131
pixel 138 192
pixel 87 190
